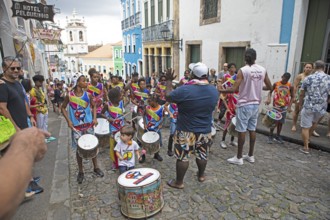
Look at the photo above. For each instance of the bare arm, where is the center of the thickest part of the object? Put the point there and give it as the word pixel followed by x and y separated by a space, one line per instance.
pixel 296 84
pixel 65 113
pixel 16 168
pixel 93 109
pixel 267 83
pixel 270 95
pixel 301 98
pixel 5 112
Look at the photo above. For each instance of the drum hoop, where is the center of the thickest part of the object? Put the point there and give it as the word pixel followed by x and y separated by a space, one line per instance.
pixel 148 170
pixel 277 113
pixel 97 141
pixel 150 132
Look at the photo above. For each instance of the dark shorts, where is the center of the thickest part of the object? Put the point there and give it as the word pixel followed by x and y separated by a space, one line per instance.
pixel 184 142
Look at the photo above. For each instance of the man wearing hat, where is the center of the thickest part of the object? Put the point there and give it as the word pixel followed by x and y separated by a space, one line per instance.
pixel 196 101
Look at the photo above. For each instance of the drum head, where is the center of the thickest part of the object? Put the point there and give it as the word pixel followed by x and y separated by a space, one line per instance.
pixel 102 127
pixel 141 124
pixel 88 141
pixel 135 109
pixel 233 121
pixel 274 114
pixel 150 137
pixel 126 182
pixel 117 136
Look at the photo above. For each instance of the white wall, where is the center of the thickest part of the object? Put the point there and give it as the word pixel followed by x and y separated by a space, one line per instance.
pixel 257 21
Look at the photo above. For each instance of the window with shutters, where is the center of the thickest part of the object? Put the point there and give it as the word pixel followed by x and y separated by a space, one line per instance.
pixel 152 10
pixel 210 11
pixel 160 11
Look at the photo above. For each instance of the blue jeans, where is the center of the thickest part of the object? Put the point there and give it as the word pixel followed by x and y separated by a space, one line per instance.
pixel 123 169
pixel 247 117
pixel 172 128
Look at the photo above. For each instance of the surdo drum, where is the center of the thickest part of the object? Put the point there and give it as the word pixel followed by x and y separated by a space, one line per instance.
pixel 232 127
pixel 117 136
pixel 102 127
pixel 140 130
pixel 87 146
pixel 140 193
pixel 151 141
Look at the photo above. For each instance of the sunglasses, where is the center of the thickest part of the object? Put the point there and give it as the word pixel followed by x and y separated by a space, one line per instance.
pixel 13 68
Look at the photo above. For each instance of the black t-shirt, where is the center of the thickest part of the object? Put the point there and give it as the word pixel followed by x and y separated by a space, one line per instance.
pixel 58 94
pixel 13 95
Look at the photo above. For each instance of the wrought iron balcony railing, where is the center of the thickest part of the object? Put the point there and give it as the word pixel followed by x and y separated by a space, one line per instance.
pixel 153 33
pixel 131 21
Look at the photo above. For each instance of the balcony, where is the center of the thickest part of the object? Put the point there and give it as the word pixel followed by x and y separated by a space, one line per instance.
pixel 131 21
pixel 153 33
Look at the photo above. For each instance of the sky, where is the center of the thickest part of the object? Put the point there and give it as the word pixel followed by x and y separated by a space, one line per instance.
pixel 102 18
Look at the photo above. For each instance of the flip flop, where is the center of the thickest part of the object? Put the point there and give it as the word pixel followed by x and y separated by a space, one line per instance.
pixel 51 138
pixel 170 183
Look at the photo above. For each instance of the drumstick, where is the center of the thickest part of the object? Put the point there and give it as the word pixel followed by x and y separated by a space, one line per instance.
pixel 75 130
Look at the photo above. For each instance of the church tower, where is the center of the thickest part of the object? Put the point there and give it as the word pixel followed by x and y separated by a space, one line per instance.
pixel 77 44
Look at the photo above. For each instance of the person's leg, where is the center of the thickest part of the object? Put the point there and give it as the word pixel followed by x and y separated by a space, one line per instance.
pixel 97 170
pixel 306 124
pixel 181 169
pixel 241 141
pixel 79 162
pixel 305 136
pixel 170 146
pixel 252 142
pixel 328 135
pixel 279 129
pixel 112 153
pixel 39 120
pixel 122 169
pixel 201 154
pixel 295 117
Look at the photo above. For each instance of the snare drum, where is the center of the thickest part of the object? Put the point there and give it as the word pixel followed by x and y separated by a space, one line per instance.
pixel 102 127
pixel 232 128
pixel 150 142
pixel 140 193
pixel 87 146
pixel 270 118
pixel 140 130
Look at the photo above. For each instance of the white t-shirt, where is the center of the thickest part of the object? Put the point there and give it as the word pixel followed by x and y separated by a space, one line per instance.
pixel 127 153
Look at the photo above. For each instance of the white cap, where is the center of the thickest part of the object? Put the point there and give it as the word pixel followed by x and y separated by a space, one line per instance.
pixel 51 83
pixel 198 69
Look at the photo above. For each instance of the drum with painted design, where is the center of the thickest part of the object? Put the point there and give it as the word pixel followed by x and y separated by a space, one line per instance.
pixel 88 146
pixel 270 118
pixel 140 193
pixel 140 129
pixel 117 136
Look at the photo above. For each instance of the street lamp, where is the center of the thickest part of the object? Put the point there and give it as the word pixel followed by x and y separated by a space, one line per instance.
pixel 167 36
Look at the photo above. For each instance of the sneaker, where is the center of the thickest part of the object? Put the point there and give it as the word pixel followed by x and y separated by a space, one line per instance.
pixel 36 179
pixel 279 140
pixel 80 177
pixel 270 140
pixel 315 134
pixel 34 187
pixel 235 160
pixel 233 143
pixel 170 153
pixel 113 167
pixel 98 172
pixel 223 144
pixel 303 151
pixel 158 157
pixel 248 158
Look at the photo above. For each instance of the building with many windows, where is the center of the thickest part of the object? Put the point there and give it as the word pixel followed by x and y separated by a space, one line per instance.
pixel 132 36
pixel 160 31
pixel 117 54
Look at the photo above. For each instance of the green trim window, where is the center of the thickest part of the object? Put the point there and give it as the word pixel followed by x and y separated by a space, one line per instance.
pixel 160 11
pixel 168 10
pixel 146 15
pixel 152 9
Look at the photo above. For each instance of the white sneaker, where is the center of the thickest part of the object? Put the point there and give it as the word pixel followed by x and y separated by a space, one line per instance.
pixel 223 144
pixel 248 158
pixel 235 160
pixel 233 143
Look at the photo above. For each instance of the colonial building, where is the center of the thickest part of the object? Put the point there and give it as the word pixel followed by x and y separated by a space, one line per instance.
pixel 132 36
pixel 285 33
pixel 101 59
pixel 17 39
pixel 77 44
pixel 117 52
pixel 160 30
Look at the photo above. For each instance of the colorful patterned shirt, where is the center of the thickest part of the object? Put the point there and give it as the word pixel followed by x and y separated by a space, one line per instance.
pixel 80 112
pixel 116 112
pixel 317 90
pixel 154 117
pixel 97 93
pixel 282 94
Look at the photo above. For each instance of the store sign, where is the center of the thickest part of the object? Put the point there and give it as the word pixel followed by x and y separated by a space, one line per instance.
pixel 38 11
pixel 48 36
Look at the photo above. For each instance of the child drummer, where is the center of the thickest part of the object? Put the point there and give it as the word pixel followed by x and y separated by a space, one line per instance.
pixel 153 119
pixel 113 111
pixel 81 119
pixel 126 148
pixel 282 101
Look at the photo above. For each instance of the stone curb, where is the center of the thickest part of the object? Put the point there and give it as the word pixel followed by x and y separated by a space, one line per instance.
pixel 296 141
pixel 59 203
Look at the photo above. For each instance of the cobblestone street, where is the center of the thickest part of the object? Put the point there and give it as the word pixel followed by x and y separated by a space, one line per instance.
pixel 282 184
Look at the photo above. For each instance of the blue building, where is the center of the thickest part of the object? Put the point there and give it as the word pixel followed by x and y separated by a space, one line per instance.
pixel 132 36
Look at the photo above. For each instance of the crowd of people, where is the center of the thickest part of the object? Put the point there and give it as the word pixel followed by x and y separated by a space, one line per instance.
pixel 190 104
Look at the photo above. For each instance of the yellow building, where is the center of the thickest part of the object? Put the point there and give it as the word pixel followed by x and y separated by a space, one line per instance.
pixel 101 59
pixel 160 30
